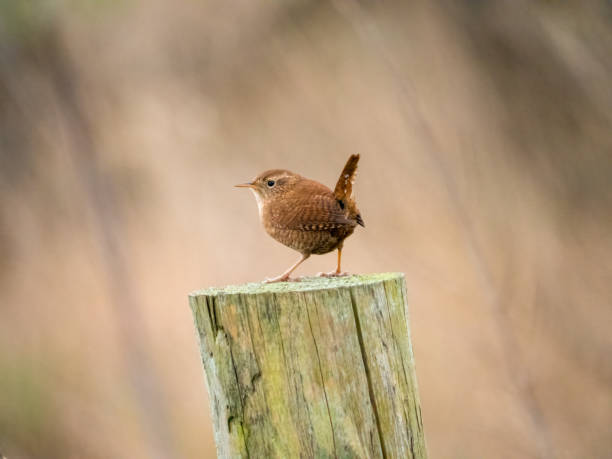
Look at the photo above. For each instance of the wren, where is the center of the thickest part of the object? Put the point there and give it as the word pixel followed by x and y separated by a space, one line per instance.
pixel 306 215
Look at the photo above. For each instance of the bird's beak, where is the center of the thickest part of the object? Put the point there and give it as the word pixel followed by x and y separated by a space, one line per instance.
pixel 245 185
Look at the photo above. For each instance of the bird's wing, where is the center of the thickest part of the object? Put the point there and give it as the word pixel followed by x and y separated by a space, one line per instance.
pixel 311 207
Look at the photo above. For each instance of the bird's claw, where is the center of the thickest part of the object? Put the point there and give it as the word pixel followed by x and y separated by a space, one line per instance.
pixel 273 280
pixel 333 274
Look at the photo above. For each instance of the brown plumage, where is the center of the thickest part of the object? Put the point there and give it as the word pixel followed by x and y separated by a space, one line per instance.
pixel 306 215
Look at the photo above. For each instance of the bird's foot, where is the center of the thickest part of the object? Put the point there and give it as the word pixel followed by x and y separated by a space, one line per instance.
pixel 272 280
pixel 333 274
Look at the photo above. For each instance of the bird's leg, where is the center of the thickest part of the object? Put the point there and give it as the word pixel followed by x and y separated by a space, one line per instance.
pixel 285 276
pixel 338 272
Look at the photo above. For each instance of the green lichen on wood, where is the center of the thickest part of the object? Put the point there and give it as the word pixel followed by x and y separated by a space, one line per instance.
pixel 318 368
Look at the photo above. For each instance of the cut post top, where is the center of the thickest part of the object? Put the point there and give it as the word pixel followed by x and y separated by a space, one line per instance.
pixel 304 284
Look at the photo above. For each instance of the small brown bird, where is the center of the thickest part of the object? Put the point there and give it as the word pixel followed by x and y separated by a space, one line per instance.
pixel 306 215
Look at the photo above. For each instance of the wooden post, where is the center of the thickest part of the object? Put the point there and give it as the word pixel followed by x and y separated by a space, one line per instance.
pixel 318 368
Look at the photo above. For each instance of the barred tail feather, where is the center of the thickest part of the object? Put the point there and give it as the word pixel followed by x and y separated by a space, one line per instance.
pixel 344 187
pixel 344 190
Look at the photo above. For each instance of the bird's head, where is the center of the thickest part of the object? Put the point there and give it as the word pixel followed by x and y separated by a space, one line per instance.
pixel 272 184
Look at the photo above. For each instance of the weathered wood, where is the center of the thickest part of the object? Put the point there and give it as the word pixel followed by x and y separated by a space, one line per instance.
pixel 318 368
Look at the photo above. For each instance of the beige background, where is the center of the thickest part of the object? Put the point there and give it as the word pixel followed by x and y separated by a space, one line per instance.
pixel 485 135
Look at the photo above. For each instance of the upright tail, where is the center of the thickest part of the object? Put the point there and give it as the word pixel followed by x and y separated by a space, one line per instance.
pixel 344 189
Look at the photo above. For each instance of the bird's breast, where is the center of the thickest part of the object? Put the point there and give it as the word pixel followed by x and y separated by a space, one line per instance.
pixel 260 203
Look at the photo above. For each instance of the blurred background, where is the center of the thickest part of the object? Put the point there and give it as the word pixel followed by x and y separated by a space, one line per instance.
pixel 485 133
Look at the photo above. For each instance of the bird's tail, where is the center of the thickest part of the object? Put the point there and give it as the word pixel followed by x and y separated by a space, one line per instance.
pixel 344 189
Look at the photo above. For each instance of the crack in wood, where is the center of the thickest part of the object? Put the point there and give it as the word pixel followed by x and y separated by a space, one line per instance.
pixel 244 434
pixel 331 424
pixel 211 307
pixel 368 375
pixel 255 377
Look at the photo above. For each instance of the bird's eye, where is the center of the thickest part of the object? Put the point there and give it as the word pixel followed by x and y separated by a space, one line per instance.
pixel 271 183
